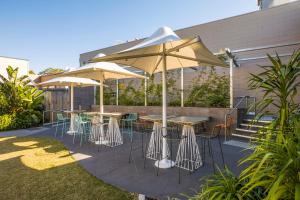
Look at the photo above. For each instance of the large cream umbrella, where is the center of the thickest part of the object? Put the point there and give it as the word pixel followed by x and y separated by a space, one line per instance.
pixel 161 51
pixel 102 71
pixel 71 82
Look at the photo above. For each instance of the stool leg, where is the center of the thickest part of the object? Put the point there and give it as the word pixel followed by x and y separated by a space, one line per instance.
pixel 56 129
pixel 179 175
pixel 204 144
pixel 131 141
pixel 142 144
pixel 145 154
pixel 221 151
pixel 211 154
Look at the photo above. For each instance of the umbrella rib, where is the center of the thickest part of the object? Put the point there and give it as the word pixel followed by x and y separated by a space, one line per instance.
pixel 194 59
pixel 124 57
pixel 187 43
pixel 160 59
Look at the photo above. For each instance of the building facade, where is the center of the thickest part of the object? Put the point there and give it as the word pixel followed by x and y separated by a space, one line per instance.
pixel 22 64
pixel 249 36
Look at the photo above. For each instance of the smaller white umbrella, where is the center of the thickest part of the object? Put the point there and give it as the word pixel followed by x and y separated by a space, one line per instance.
pixel 71 82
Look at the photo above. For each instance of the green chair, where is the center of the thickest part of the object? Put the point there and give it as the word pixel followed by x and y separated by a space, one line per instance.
pixel 127 121
pixel 61 120
pixel 82 129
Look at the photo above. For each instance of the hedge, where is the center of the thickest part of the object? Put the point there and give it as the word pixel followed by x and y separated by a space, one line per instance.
pixel 25 119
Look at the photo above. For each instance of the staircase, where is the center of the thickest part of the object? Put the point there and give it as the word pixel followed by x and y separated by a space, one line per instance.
pixel 246 126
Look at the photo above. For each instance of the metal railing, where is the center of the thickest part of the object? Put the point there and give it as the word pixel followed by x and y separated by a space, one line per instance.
pixel 243 102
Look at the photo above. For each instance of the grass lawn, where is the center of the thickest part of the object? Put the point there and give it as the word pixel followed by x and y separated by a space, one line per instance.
pixel 42 168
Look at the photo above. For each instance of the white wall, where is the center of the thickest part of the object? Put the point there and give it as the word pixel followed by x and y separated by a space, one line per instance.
pixel 22 64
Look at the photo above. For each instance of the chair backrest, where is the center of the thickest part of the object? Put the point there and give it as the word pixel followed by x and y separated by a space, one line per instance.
pixel 229 121
pixel 59 116
pixel 133 116
pixel 216 130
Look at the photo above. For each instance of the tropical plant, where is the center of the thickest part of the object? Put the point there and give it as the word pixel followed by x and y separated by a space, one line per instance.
pixel 280 83
pixel 222 185
pixel 17 93
pixel 273 169
pixel 275 162
pixel 20 103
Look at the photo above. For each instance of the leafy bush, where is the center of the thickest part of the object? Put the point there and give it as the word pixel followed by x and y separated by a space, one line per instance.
pixel 20 103
pixel 25 119
pixel 6 122
pixel 209 89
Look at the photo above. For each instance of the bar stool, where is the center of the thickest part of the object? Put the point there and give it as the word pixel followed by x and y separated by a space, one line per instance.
pixel 207 137
pixel 128 121
pixel 82 129
pixel 139 128
pixel 173 136
pixel 61 120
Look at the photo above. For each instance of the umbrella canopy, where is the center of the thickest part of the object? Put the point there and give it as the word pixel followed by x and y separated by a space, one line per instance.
pixel 148 55
pixel 161 51
pixel 69 81
pixel 102 71
pixel 106 69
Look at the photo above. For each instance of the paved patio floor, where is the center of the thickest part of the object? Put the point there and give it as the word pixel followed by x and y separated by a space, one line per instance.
pixel 111 165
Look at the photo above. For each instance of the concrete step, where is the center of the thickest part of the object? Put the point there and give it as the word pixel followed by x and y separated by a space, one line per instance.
pixel 257 121
pixel 245 130
pixel 250 126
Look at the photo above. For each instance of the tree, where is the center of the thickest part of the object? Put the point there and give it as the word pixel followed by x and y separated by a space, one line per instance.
pixel 51 70
pixel 16 93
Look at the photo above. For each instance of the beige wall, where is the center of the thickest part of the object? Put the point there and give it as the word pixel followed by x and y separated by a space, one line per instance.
pixel 22 64
pixel 272 26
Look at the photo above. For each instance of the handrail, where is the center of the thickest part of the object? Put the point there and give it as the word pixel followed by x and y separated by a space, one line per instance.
pixel 235 108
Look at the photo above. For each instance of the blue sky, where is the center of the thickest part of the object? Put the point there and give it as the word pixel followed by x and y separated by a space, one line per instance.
pixel 52 33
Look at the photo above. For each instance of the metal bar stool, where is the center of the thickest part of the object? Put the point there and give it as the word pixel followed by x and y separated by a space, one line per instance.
pixel 61 121
pixel 206 138
pixel 139 128
pixel 98 131
pixel 173 136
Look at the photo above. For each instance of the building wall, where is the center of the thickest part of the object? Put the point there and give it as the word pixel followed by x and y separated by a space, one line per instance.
pixel 277 25
pixel 22 64
pixel 264 4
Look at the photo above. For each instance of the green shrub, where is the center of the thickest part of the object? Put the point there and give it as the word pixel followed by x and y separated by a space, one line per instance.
pixel 6 121
pixel 25 119
pixel 209 89
pixel 20 103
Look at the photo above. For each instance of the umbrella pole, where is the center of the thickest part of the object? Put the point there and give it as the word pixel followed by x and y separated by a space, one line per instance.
pixel 71 130
pixel 165 162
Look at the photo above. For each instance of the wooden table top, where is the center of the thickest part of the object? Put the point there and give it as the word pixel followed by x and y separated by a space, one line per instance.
pixel 154 118
pixel 189 120
pixel 112 114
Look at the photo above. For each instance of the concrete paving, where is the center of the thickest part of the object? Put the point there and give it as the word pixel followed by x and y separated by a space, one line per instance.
pixel 24 132
pixel 111 165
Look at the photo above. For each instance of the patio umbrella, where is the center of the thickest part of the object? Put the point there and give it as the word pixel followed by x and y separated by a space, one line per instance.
pixel 101 71
pixel 71 82
pixel 163 51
